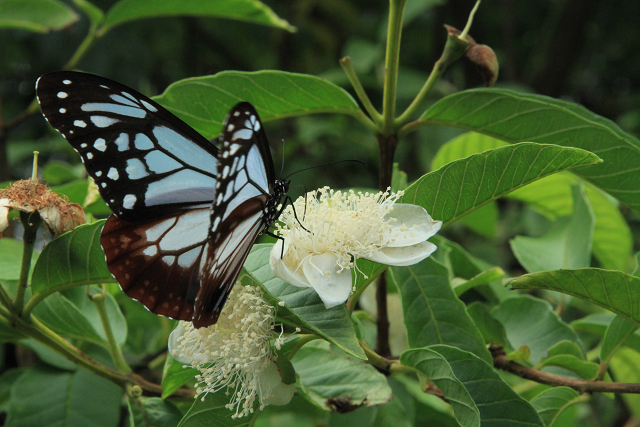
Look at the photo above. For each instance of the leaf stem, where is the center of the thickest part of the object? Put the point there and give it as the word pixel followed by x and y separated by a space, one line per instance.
pixel 345 63
pixel 436 72
pixel 30 221
pixel 114 350
pixel 392 59
pixel 463 34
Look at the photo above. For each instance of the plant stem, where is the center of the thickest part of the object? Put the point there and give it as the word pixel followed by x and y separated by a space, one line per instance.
pixel 30 221
pixel 436 72
pixel 463 34
pixel 345 63
pixel 392 59
pixel 114 350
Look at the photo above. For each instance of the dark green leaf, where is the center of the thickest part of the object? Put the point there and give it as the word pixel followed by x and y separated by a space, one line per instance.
pixel 550 403
pixel 617 333
pixel 325 375
pixel 49 356
pixel 203 102
pixel 566 347
pixel 515 117
pixel 516 313
pixel 432 312
pixel 613 290
pixel 484 177
pixel 502 406
pixel 302 306
pixel 212 413
pixel 64 318
pixel 585 370
pixel 491 329
pixel 461 286
pixel 40 16
pixel 438 371
pixel 46 397
pixel 153 412
pixel 243 10
pixel 11 259
pixel 567 244
pixel 175 375
pixel 73 259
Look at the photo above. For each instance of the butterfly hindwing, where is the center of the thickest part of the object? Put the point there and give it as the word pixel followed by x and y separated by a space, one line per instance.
pixel 146 162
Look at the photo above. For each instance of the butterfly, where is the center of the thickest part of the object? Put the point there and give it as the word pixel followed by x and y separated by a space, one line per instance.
pixel 185 212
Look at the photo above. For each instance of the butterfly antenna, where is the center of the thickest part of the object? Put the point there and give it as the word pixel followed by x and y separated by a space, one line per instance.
pixel 282 163
pixel 326 164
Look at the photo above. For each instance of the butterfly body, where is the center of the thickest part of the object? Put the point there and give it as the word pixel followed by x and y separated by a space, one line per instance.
pixel 185 213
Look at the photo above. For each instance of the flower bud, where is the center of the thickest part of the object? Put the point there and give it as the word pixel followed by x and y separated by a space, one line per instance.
pixel 485 58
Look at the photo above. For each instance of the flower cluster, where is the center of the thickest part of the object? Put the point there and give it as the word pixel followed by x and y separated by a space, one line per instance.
pixel 326 232
pixel 236 353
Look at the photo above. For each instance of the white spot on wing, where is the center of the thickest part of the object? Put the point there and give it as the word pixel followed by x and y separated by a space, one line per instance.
pixel 113 174
pixel 89 156
pixel 100 144
pixel 62 95
pixel 150 251
pixel 150 108
pixel 83 145
pixel 135 169
pixel 102 121
pixel 242 134
pixel 123 110
pixel 234 148
pixel 67 82
pixel 98 173
pixel 142 142
pixel 256 169
pixel 128 201
pixel 122 141
pixel 159 162
pixel 63 110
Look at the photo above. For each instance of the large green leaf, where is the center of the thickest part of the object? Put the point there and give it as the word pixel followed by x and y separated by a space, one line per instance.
pixel 551 196
pixel 326 378
pixel 73 259
pixel 617 333
pixel 550 403
pixel 432 312
pixel 252 11
pixel 40 16
pixel 491 329
pixel 175 375
pixel 211 412
pixel 567 244
pixel 499 405
pixel 598 324
pixel 613 290
pixel 203 102
pixel 303 307
pixel 516 315
pixel 515 117
pixel 463 186
pixel 152 412
pixel 438 371
pixel 47 397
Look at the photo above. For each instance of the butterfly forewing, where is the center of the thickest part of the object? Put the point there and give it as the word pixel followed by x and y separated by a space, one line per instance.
pixel 146 162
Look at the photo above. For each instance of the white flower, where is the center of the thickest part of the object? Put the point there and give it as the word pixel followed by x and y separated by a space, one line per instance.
pixel 236 353
pixel 341 228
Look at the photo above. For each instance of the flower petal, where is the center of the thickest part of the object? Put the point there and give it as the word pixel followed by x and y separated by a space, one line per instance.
pixel 413 225
pixel 281 270
pixel 275 392
pixel 332 288
pixel 4 218
pixel 407 255
pixel 177 333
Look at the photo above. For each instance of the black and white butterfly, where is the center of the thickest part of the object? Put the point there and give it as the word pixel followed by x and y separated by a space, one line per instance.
pixel 186 213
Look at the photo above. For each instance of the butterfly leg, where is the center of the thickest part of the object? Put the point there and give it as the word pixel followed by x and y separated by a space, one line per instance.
pixel 268 233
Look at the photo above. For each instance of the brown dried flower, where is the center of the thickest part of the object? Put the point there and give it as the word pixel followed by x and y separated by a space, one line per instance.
pixel 30 196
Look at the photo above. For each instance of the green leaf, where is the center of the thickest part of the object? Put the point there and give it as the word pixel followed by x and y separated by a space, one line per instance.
pixel 7 378
pixel 438 371
pixel 597 324
pixel 11 259
pixel 56 172
pixel 584 369
pixel 550 403
pixel 502 406
pixel 566 347
pixel 211 412
pixel 252 11
pixel 491 329
pixel 40 16
pixel 64 318
pixel 617 333
pixel 302 306
pixel 484 177
pixel 551 196
pixel 567 244
pixel 483 220
pixel 432 312
pixel 515 117
pixel 153 412
pixel 625 365
pixel 44 396
pixel 48 356
pixel 175 375
pixel 613 290
pixel 324 375
pixel 461 286
pixel 203 102
pixel 516 315
pixel 73 259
